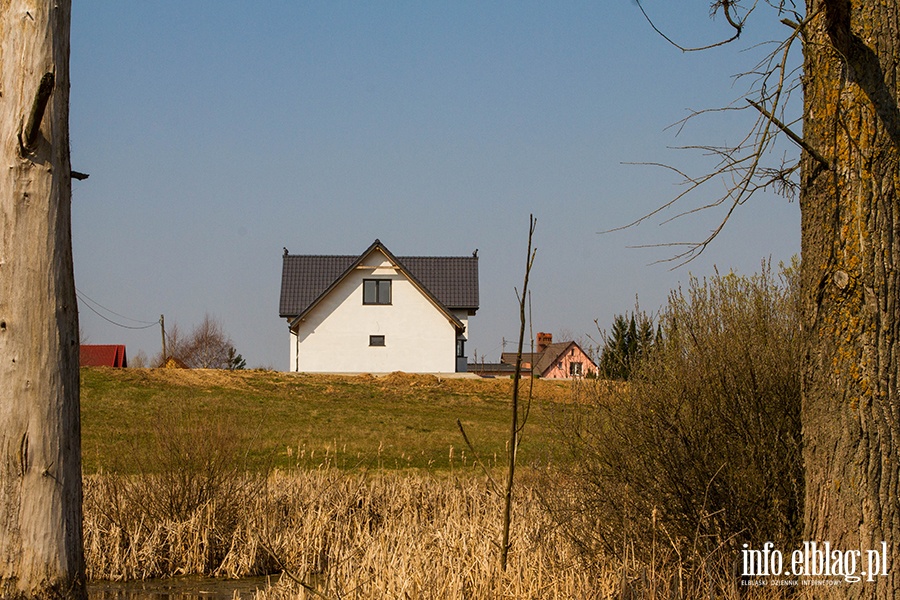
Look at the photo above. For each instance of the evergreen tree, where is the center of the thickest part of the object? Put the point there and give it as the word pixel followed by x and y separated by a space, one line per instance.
pixel 630 339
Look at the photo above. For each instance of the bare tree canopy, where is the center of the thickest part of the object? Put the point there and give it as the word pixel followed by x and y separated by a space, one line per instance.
pixel 208 346
pixel 757 162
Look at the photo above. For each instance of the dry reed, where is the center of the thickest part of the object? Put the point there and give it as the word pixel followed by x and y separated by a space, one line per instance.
pixel 384 534
pixel 369 535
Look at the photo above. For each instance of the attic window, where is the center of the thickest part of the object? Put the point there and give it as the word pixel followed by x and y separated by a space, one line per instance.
pixel 376 291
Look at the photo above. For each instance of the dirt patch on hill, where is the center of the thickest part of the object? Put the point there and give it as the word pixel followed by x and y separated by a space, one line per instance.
pixel 247 380
pixel 200 378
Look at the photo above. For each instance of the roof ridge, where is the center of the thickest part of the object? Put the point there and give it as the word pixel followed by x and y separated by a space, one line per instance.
pixel 439 256
pixel 396 256
pixel 322 255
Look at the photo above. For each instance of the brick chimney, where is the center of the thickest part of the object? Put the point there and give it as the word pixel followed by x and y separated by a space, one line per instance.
pixel 543 340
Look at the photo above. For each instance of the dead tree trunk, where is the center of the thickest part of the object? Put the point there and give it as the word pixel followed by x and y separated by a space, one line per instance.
pixel 41 553
pixel 851 282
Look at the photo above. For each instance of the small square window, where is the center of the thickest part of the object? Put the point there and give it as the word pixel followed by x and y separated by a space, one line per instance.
pixel 575 369
pixel 376 291
pixel 376 340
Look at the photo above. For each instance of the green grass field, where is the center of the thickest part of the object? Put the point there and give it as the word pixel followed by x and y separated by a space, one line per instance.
pixel 283 420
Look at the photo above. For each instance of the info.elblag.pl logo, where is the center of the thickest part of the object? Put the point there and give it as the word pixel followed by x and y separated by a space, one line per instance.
pixel 815 560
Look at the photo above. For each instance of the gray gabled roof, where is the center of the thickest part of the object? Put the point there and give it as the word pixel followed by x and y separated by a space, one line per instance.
pixel 304 278
pixel 452 281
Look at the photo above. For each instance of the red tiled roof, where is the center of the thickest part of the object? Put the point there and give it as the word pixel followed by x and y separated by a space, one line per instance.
pixel 93 355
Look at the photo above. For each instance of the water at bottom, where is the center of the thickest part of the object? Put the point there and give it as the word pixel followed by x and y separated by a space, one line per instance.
pixel 177 588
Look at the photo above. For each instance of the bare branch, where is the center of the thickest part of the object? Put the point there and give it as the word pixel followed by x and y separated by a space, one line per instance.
pixel 741 167
pixel 794 137
pixel 727 7
pixel 514 425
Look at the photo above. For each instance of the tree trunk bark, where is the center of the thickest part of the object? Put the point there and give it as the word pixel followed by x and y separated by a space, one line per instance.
pixel 41 554
pixel 851 284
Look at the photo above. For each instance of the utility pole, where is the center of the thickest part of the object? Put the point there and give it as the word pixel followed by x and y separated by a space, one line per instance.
pixel 162 326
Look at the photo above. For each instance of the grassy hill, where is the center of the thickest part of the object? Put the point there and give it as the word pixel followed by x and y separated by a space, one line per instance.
pixel 283 420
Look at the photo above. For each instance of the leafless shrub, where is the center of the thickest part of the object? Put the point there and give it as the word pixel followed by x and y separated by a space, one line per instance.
pixel 187 467
pixel 208 346
pixel 701 451
pixel 139 360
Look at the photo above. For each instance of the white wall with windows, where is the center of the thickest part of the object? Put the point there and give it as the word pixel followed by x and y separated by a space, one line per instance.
pixel 375 321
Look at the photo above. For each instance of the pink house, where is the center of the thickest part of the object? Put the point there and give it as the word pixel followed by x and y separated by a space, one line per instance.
pixel 562 360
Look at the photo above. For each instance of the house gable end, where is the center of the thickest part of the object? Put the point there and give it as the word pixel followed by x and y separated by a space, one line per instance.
pixel 307 279
pixel 550 356
pixel 557 353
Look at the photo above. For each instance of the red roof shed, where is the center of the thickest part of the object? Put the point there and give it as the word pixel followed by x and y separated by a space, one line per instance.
pixel 93 355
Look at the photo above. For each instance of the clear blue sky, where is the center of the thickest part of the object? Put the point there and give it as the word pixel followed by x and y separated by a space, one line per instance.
pixel 217 133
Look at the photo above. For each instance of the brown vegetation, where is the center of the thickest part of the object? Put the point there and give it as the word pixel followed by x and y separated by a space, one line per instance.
pixel 700 453
pixel 362 535
pixel 382 535
pixel 408 383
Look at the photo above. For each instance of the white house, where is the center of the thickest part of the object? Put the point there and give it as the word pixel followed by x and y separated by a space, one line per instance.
pixel 378 313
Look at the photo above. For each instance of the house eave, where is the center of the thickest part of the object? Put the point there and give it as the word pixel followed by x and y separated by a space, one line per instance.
pixel 295 319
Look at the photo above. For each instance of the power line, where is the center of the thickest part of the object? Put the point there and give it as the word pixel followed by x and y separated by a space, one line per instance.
pixel 88 298
pixel 88 301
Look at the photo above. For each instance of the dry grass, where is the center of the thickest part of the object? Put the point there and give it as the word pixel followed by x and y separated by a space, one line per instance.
pixel 273 381
pixel 379 535
pixel 355 536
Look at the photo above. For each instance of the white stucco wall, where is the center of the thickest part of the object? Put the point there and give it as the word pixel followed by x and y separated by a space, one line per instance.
pixel 334 336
